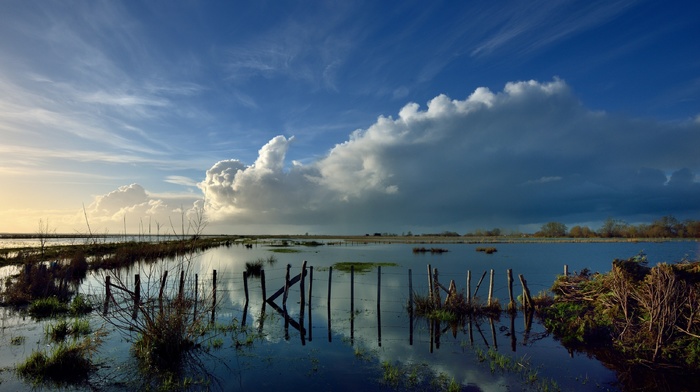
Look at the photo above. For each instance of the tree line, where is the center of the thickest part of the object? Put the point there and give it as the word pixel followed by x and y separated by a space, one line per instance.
pixel 664 227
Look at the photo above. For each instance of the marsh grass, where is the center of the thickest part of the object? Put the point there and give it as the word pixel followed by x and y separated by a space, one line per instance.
pixel 67 363
pixel 487 250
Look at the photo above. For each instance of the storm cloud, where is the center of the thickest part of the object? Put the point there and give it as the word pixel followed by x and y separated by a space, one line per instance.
pixel 528 154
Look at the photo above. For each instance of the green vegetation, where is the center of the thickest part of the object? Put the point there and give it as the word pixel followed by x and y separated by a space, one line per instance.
pixel 360 267
pixel 487 250
pixel 58 331
pixel 285 250
pixel 47 307
pixel 644 315
pixel 67 363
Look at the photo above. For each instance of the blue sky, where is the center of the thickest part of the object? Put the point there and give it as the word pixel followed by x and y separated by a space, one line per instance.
pixel 347 117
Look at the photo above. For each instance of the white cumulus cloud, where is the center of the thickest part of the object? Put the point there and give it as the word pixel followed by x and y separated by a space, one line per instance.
pixel 527 154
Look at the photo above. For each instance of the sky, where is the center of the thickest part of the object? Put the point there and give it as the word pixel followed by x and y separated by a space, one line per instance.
pixel 346 117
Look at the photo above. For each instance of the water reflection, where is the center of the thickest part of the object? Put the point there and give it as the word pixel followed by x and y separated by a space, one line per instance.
pixel 369 315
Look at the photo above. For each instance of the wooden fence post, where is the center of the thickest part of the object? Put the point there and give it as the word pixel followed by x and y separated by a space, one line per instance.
pixel 527 300
pixel 436 287
pixel 286 288
pixel 264 291
pixel 302 297
pixel 379 313
pixel 245 287
pixel 108 294
pixel 410 306
pixel 488 302
pixel 430 283
pixel 479 284
pixel 160 292
pixel 469 288
pixel 566 270
pixel 137 295
pixel 352 305
pixel 196 294
pixel 181 289
pixel 330 274
pixel 511 304
pixel 213 298
pixel 311 283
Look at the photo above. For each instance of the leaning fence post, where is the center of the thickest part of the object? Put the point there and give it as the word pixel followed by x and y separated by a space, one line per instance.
pixel 160 293
pixel 527 300
pixel 286 288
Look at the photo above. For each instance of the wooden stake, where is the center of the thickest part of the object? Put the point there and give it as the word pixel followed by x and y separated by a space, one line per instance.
pixel 137 295
pixel 330 334
pixel 488 302
pixel 108 294
pixel 213 298
pixel 527 299
pixel 430 283
pixel 479 284
pixel 160 292
pixel 245 287
pixel 286 288
pixel 379 313
pixel 511 304
pixel 469 287
pixel 264 292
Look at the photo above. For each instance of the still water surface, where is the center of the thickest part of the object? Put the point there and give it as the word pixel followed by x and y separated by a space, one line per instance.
pixel 347 353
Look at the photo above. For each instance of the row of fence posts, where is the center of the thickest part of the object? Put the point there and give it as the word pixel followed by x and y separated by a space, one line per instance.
pixel 434 288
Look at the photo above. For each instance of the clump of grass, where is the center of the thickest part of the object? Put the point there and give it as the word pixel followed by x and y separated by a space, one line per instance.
pixel 80 306
pixel 487 250
pixel 67 363
pixel 254 268
pixel 17 340
pixel 47 307
pixel 61 329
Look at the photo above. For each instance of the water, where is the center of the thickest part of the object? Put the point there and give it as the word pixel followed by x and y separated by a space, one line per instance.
pixel 347 353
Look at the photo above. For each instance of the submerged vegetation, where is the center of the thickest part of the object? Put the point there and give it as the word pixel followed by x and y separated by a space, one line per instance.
pixel 360 267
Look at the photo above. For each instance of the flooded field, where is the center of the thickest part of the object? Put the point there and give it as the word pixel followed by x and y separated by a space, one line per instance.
pixel 350 332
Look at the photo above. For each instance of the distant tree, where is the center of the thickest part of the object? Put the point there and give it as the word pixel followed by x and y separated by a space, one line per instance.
pixel 552 229
pixel 581 232
pixel 612 228
pixel 666 226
